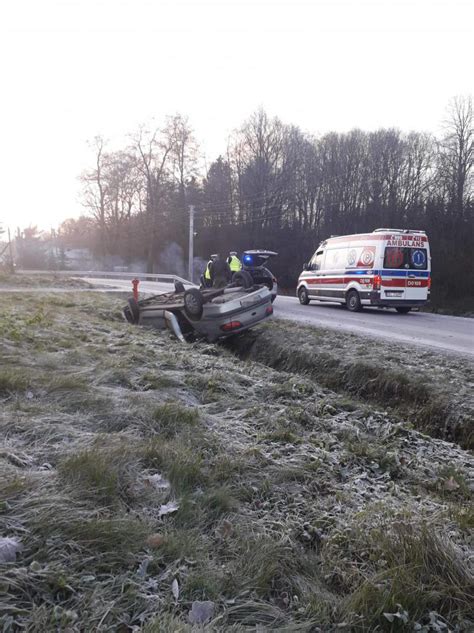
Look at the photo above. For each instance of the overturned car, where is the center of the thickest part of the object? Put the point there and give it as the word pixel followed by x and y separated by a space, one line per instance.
pixel 255 263
pixel 210 313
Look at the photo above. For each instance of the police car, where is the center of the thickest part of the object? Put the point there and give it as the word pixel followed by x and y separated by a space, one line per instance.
pixel 388 268
pixel 253 262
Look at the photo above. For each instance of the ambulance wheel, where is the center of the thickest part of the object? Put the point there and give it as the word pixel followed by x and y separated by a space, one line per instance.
pixel 303 296
pixel 193 304
pixel 353 301
pixel 403 310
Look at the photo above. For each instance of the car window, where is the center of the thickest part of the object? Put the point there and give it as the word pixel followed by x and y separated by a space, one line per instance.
pixel 335 258
pixel 397 258
pixel 316 261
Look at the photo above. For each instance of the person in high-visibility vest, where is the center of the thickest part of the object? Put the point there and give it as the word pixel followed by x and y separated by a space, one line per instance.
pixel 234 262
pixel 207 272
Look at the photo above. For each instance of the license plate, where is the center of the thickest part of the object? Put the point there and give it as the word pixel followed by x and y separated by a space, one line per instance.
pixel 392 294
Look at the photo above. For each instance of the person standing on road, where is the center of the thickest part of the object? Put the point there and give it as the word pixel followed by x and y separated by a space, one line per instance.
pixel 221 273
pixel 207 272
pixel 234 262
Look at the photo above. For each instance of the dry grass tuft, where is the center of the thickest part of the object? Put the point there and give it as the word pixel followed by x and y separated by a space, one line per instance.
pixel 172 418
pixel 421 573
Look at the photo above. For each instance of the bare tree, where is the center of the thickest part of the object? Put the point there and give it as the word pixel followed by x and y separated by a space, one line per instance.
pixel 95 192
pixel 456 154
pixel 153 149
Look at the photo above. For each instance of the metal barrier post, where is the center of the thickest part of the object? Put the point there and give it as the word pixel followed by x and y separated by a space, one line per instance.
pixel 135 283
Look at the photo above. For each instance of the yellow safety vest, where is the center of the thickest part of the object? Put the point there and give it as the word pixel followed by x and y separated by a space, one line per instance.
pixel 235 264
pixel 207 273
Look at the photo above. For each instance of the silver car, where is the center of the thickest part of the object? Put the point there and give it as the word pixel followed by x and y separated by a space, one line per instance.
pixel 210 313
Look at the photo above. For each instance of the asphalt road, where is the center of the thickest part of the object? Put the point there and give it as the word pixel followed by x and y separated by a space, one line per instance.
pixel 445 333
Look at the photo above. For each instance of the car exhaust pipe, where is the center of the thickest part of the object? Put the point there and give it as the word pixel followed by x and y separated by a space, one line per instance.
pixel 173 325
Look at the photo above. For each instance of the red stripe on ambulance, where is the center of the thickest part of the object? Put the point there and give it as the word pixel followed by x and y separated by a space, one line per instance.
pixel 405 283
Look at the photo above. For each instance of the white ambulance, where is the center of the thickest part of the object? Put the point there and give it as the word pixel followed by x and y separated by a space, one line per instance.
pixel 389 268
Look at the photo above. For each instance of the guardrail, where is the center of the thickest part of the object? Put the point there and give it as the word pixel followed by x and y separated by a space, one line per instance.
pixel 108 273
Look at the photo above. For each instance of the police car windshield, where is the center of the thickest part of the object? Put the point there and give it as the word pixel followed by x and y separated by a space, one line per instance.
pixel 405 258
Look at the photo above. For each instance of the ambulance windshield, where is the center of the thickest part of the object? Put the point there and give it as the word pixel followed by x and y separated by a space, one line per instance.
pixel 405 258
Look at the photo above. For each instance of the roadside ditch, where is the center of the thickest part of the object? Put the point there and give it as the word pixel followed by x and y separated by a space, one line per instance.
pixel 429 391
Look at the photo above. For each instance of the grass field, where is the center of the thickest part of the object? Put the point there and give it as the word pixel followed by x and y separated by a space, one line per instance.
pixel 155 486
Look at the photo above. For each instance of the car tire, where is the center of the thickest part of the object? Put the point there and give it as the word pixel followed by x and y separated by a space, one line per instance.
pixel 243 279
pixel 193 304
pixel 133 313
pixel 353 301
pixel 303 296
pixel 403 310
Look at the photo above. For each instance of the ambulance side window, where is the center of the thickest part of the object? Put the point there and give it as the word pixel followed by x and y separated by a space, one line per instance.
pixel 335 258
pixel 317 260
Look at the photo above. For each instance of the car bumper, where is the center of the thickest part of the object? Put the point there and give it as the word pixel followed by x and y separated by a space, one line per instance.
pixel 376 300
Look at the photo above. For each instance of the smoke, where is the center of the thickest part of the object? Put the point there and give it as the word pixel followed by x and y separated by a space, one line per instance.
pixel 138 266
pixel 173 262
pixel 199 266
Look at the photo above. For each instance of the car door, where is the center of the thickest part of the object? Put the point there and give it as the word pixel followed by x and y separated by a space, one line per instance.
pixel 314 278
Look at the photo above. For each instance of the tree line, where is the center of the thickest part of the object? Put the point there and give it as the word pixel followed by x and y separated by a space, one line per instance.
pixel 284 189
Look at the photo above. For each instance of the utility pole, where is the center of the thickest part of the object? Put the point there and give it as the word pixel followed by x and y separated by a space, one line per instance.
pixel 12 265
pixel 191 242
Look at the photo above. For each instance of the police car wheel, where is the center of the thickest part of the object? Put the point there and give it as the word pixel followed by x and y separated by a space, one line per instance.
pixel 193 304
pixel 353 301
pixel 303 296
pixel 403 310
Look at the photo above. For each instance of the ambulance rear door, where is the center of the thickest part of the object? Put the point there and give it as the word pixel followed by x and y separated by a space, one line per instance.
pixel 418 273
pixel 394 274
pixel 405 274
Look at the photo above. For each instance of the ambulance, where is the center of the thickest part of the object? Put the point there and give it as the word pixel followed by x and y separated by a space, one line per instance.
pixel 388 268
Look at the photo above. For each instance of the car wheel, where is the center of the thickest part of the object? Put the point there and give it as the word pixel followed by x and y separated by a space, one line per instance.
pixel 303 296
pixel 353 301
pixel 403 310
pixel 193 304
pixel 133 313
pixel 243 279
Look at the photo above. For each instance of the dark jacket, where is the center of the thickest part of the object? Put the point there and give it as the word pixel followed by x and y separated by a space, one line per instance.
pixel 221 274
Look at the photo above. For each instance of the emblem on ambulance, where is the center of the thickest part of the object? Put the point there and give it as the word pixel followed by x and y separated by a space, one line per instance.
pixel 418 258
pixel 367 257
pixel 351 257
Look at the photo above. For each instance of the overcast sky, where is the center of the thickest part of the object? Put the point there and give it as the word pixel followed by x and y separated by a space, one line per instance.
pixel 71 69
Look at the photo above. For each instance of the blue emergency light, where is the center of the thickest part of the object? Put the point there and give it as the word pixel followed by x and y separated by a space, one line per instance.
pixel 248 259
